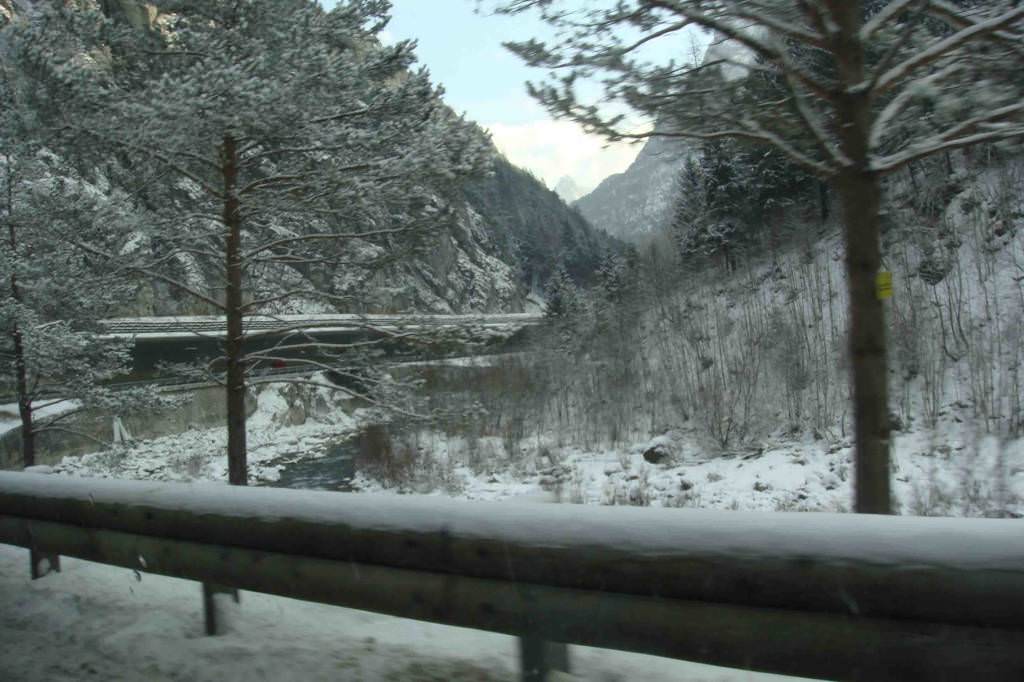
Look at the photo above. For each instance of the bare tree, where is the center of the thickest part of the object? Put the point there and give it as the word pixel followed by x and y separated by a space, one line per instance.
pixel 865 88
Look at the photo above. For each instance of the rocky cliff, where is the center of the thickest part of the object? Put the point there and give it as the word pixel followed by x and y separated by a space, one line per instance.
pixel 640 200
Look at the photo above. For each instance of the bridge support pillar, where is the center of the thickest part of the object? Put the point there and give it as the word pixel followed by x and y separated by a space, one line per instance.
pixel 538 658
pixel 43 563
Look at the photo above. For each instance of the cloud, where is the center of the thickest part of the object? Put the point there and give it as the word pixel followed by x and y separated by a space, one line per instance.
pixel 553 149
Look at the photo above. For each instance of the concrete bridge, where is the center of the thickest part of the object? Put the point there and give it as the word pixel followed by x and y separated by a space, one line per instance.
pixel 410 337
pixel 213 326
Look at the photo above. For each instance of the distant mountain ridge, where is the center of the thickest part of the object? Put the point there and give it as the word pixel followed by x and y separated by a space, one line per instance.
pixel 640 200
pixel 534 228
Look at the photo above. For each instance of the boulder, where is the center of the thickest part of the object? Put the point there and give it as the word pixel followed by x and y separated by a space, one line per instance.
pixel 659 453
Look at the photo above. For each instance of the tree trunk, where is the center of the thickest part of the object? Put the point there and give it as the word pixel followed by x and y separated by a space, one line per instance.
pixel 234 344
pixel 860 194
pixel 28 432
pixel 28 429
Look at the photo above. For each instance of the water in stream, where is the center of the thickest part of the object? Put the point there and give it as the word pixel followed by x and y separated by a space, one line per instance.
pixel 459 384
pixel 333 471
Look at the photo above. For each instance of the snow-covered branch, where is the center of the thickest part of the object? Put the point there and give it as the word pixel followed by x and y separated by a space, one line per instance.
pixel 885 15
pixel 945 46
pixel 947 142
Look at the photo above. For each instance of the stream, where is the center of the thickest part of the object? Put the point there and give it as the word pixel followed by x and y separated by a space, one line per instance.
pixel 333 471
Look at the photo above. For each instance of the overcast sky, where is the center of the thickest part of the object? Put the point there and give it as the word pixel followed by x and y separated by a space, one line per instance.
pixel 463 51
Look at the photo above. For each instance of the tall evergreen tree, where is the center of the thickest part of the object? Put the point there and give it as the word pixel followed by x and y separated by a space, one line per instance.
pixel 565 311
pixel 54 293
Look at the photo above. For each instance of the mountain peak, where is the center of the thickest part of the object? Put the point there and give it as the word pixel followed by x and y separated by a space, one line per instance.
pixel 568 190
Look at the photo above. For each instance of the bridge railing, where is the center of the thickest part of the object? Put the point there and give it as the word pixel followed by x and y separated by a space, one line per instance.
pixel 817 595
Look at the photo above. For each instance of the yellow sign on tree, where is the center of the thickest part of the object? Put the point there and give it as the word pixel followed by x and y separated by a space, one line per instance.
pixel 883 285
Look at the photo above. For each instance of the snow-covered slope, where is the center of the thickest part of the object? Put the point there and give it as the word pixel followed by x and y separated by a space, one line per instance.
pixel 737 394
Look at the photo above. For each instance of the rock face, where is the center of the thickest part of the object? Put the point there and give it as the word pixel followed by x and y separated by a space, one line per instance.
pixel 463 271
pixel 509 235
pixel 639 201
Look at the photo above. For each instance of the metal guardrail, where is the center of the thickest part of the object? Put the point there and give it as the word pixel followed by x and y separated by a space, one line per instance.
pixel 818 595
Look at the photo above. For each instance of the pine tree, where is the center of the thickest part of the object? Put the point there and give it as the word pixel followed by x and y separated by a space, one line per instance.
pixel 561 295
pixel 614 283
pixel 296 148
pixel 54 293
pixel 732 196
pixel 565 311
pixel 705 223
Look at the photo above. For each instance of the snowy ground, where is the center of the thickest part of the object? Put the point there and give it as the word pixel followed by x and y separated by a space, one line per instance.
pixel 947 472
pixel 976 478
pixel 951 471
pixel 103 623
pixel 199 454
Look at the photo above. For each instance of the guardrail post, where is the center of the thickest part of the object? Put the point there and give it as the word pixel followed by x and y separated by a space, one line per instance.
pixel 215 622
pixel 43 563
pixel 538 657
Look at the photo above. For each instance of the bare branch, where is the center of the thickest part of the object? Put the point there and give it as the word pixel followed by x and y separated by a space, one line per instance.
pixel 349 391
pixel 884 120
pixel 155 274
pixel 744 38
pixel 814 125
pixel 325 236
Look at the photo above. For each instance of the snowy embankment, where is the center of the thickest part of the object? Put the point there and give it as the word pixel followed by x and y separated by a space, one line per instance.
pixel 933 475
pixel 281 430
pixel 949 471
